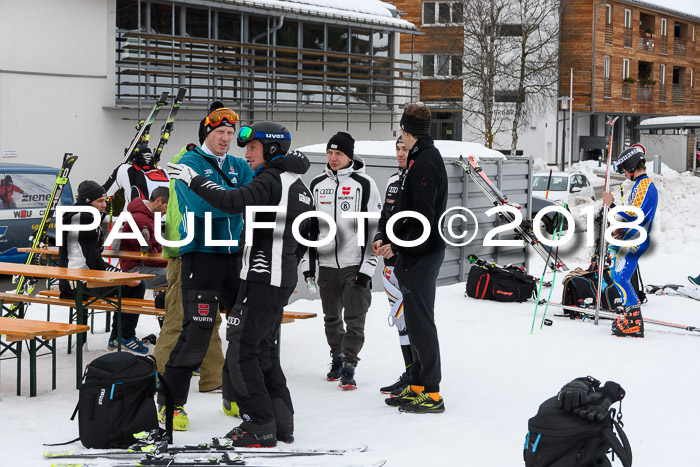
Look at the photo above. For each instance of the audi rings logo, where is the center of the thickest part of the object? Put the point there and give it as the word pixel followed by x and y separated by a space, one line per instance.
pixel 233 321
pixel 467 221
pixel 327 191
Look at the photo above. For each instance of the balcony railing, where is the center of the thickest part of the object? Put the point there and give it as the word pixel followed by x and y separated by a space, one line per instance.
pixel 644 93
pixel 607 87
pixel 608 33
pixel 662 93
pixel 646 43
pixel 628 37
pixel 679 47
pixel 626 91
pixel 678 94
pixel 664 45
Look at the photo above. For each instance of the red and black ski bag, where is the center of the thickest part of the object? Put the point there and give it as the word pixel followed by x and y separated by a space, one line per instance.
pixel 507 284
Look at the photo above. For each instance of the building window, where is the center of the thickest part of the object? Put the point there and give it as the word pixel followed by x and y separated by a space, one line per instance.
pixel 663 26
pixel 506 95
pixel 608 13
pixel 442 65
pixel 662 74
pixel 442 13
pixel 606 69
pixel 625 68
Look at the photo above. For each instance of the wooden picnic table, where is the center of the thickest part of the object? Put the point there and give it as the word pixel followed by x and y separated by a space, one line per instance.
pixel 52 251
pixel 92 278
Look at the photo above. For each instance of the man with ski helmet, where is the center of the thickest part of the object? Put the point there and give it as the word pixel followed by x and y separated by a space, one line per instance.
pixel 644 196
pixel 268 272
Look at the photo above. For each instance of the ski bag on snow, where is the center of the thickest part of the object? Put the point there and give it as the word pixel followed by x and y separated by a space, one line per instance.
pixel 559 438
pixel 116 400
pixel 507 284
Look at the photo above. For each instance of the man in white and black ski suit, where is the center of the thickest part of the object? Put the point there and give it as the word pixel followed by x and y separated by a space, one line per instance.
pixel 391 283
pixel 209 271
pixel 268 272
pixel 138 178
pixel 83 250
pixel 345 268
pixel 424 190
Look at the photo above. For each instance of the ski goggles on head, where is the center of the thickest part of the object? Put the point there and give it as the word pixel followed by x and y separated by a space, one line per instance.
pixel 223 116
pixel 245 135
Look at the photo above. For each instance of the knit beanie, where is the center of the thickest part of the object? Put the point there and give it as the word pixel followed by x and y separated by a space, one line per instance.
pixel 89 191
pixel 342 142
pixel 414 125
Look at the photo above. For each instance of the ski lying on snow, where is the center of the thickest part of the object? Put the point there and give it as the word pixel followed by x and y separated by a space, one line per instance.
pixel 591 312
pixel 207 448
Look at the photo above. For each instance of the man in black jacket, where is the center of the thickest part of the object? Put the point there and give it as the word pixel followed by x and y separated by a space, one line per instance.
pixel 83 249
pixel 268 274
pixel 424 190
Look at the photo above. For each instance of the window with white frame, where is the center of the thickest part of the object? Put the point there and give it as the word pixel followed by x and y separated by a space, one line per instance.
pixel 691 78
pixel 625 68
pixel 441 65
pixel 628 18
pixel 662 74
pixel 663 26
pixel 606 68
pixel 442 13
pixel 608 13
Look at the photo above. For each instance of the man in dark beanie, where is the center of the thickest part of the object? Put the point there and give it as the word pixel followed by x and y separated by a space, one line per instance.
pixel 202 125
pixel 83 249
pixel 345 269
pixel 424 190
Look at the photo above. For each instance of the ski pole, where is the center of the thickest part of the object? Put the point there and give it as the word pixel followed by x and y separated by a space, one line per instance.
pixel 611 123
pixel 546 263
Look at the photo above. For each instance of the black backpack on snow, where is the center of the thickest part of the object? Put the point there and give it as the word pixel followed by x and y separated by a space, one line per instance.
pixel 560 438
pixel 502 284
pixel 580 289
pixel 116 401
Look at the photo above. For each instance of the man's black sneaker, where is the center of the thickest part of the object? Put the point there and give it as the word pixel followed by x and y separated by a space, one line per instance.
pixel 403 381
pixel 243 439
pixel 404 398
pixel 424 404
pixel 347 377
pixel 336 367
pixel 287 438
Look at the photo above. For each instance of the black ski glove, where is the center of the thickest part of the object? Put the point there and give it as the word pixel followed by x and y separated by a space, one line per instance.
pixel 599 402
pixel 576 393
pixel 363 280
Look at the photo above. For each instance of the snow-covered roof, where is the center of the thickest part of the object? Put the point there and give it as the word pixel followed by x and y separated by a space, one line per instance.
pixel 449 149
pixel 687 8
pixel 372 12
pixel 677 121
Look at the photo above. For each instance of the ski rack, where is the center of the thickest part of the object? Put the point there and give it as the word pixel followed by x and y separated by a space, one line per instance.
pixel 498 198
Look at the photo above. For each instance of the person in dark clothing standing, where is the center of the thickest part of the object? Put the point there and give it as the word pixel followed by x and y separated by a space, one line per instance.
pixel 83 249
pixel 391 284
pixel 424 190
pixel 268 272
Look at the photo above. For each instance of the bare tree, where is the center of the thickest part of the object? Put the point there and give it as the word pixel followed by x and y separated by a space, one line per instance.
pixel 537 61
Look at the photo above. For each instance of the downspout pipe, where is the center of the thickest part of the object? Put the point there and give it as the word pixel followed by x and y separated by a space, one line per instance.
pixel 595 34
pixel 269 31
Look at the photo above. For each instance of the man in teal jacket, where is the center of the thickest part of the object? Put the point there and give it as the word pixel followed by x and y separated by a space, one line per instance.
pixel 209 271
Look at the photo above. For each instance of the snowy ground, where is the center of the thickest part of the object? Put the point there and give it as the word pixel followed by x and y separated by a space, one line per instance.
pixel 495 373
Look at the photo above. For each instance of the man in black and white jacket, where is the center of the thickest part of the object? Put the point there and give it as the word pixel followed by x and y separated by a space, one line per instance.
pixel 345 268
pixel 268 272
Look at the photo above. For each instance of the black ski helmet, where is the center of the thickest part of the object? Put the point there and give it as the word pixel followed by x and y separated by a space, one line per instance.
pixel 274 137
pixel 629 159
pixel 143 157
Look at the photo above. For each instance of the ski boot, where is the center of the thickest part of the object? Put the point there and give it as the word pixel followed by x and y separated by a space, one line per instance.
pixel 630 323
pixel 180 419
pixel 336 366
pixel 243 439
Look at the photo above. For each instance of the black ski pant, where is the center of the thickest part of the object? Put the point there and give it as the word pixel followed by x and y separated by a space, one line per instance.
pixel 208 280
pixel 418 282
pixel 343 300
pixel 253 361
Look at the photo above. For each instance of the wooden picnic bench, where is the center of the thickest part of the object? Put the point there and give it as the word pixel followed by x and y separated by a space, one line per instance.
pixel 39 334
pixel 83 278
